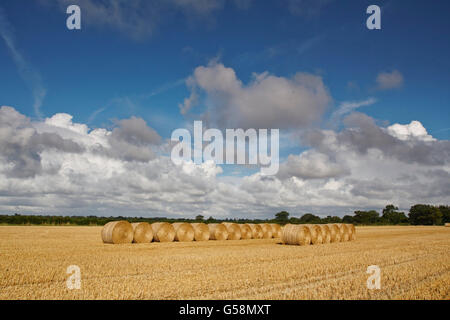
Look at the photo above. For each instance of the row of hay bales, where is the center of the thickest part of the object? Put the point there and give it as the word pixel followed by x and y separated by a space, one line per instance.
pixel 119 232
pixel 305 234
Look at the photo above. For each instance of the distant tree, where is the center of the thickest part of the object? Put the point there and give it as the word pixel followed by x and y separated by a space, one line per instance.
pixel 366 217
pixel 445 210
pixel 335 219
pixel 423 214
pixel 199 217
pixel 309 218
pixel 330 219
pixel 389 208
pixel 347 219
pixel 282 216
pixel 294 220
pixel 392 216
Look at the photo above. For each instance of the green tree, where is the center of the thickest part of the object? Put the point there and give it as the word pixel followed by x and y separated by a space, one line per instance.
pixel 347 219
pixel 309 218
pixel 335 219
pixel 366 217
pixel 389 208
pixel 331 219
pixel 445 210
pixel 294 220
pixel 392 216
pixel 423 214
pixel 282 216
pixel 199 217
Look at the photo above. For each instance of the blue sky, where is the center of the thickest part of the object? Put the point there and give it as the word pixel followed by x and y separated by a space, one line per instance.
pixel 110 71
pixel 85 70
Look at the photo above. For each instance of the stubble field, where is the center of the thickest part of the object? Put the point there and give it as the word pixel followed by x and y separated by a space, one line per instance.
pixel 414 263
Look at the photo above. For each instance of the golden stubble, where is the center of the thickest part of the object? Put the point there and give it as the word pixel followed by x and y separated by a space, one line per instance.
pixel 414 263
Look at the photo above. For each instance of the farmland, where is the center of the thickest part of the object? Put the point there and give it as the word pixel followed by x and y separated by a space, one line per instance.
pixel 414 263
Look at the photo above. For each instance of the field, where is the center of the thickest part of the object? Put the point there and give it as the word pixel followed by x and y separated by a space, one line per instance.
pixel 414 262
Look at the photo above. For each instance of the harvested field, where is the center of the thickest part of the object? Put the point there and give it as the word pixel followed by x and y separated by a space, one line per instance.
pixel 414 263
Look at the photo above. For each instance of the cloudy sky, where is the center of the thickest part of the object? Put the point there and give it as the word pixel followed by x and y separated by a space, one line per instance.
pixel 86 116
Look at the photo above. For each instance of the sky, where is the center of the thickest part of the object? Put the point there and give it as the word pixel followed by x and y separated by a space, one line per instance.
pixel 86 116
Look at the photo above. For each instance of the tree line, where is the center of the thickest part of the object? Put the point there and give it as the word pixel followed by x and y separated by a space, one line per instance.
pixel 18 219
pixel 419 214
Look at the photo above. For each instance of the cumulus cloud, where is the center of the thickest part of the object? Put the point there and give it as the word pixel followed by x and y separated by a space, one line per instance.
pixel 268 101
pixel 21 145
pixel 130 140
pixel 310 165
pixel 363 135
pixel 368 165
pixel 411 131
pixel 389 80
pixel 59 166
pixel 135 131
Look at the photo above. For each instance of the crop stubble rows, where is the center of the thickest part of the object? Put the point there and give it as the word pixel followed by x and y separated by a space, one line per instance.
pixel 414 262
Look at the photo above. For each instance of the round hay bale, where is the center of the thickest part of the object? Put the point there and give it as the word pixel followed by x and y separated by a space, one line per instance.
pixel 143 232
pixel 345 236
pixel 316 233
pixel 334 232
pixel 267 230
pixel 184 232
pixel 201 232
pixel 326 234
pixel 447 224
pixel 352 231
pixel 257 232
pixel 217 231
pixel 234 232
pixel 276 230
pixel 117 232
pixel 246 231
pixel 286 234
pixel 295 234
pixel 163 232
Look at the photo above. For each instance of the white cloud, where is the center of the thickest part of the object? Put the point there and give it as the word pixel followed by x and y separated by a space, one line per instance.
pixel 411 131
pixel 350 106
pixel 99 175
pixel 268 101
pixel 389 80
pixel 64 120
pixel 58 166
pixel 310 165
